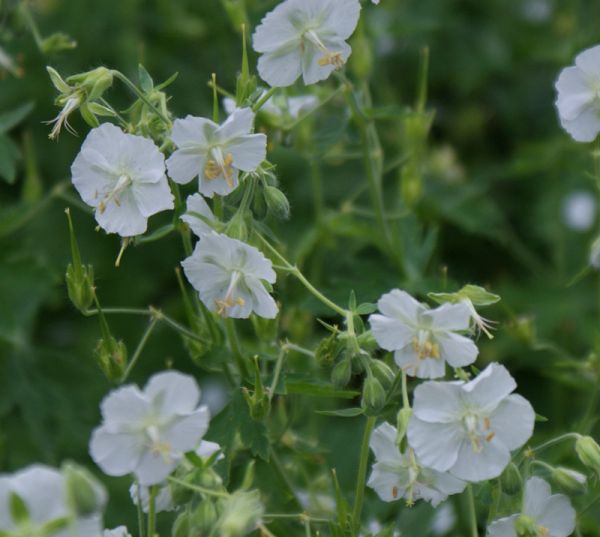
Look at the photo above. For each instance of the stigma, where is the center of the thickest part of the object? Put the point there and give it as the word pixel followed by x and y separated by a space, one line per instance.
pixel 230 300
pixel 122 183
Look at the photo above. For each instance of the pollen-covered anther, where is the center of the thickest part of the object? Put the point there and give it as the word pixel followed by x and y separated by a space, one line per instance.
pixel 123 182
pixel 215 169
pixel 543 531
pixel 394 492
pixel 332 58
pixel 490 437
pixel 425 349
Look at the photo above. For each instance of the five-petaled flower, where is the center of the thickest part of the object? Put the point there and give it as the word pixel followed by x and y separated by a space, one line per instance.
pixel 215 153
pixel 123 177
pixel 198 215
pixel 304 37
pixel 578 99
pixel 148 432
pixel 229 276
pixel 423 339
pixel 543 514
pixel 470 428
pixel 398 475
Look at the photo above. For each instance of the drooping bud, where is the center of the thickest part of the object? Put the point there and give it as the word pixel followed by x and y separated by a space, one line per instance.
pixel 277 202
pixel 383 372
pixel 341 373
pixel 94 83
pixel 79 277
pixel 588 452
pixel 373 396
pixel 111 354
pixel 511 480
pixel 327 350
pixel 569 480
pixel 402 420
pixel 85 493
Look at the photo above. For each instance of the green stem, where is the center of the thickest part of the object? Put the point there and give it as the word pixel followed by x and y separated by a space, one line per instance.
pixel 276 373
pixel 472 512
pixel 152 511
pixel 236 349
pixel 259 104
pixel 362 475
pixel 139 349
pixel 198 488
pixel 558 439
pixel 299 516
pixel 405 402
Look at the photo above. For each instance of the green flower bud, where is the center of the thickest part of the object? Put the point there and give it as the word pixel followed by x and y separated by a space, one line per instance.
pixel 86 494
pixel 241 513
pixel 341 373
pixel 57 42
pixel 327 351
pixel 204 517
pixel 588 452
pixel 237 227
pixel 181 526
pixel 526 527
pixel 277 203
pixel 79 277
pixel 373 397
pixel 402 423
pixel 111 356
pixel 93 83
pixel 511 481
pixel 569 480
pixel 383 372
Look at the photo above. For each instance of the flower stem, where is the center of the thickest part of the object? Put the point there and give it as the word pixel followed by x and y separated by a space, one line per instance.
pixel 139 349
pixel 198 488
pixel 472 512
pixel 405 402
pixel 259 104
pixel 362 475
pixel 152 511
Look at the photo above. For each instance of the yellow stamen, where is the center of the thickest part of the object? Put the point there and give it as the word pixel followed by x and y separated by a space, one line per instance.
pixel 490 437
pixel 215 169
pixel 487 424
pixel 394 492
pixel 332 58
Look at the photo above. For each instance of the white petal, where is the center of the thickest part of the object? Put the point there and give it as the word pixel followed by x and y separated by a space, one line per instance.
pixel 43 490
pixel 457 350
pixel 196 205
pixel 312 70
pixel 6 522
pixel 152 198
pixel 513 421
pixel 589 61
pixel 276 29
pixel 391 334
pixel 185 164
pixel 438 402
pixel 390 485
pixel 280 69
pixel 503 527
pixel 124 409
pixel 343 16
pixel 571 106
pixel 253 261
pixel 263 303
pixel 585 127
pixel 192 131
pixel 238 124
pixel 207 449
pixel 445 482
pixel 476 466
pixel 248 151
pixel 383 443
pixel 428 368
pixel 210 187
pixel 141 159
pixel 91 175
pixel 449 317
pixel 490 387
pixel 558 516
pixel 116 453
pixel 172 393
pixel 436 445
pixel 400 305
pixel 536 495
pixel 123 218
pixel 154 468
pixel 185 433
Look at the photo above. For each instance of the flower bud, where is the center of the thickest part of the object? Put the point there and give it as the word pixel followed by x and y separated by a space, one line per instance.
pixel 327 351
pixel 79 277
pixel 181 526
pixel 94 83
pixel 241 514
pixel 204 517
pixel 341 373
pixel 526 526
pixel 511 481
pixel 373 397
pixel 402 420
pixel 237 227
pixel 111 356
pixel 569 480
pixel 588 452
pixel 383 372
pixel 86 495
pixel 277 203
pixel 57 42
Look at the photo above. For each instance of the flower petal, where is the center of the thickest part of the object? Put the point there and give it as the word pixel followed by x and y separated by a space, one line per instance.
pixel 43 490
pixel 239 123
pixel 185 164
pixel 589 61
pixel 192 131
pixel 585 127
pixel 248 151
pixel 400 305
pixel 390 485
pixel 503 527
pixel 513 421
pixel 152 198
pixel 487 463
pixel 116 453
pixel 154 468
pixel 490 387
pixel 383 443
pixel 449 317
pixel 436 445
pixel 124 408
pixel 123 218
pixel 280 68
pixel 457 350
pixel 391 334
pixel 438 402
pixel 536 495
pixel 185 433
pixel 172 392
pixel 196 205
pixel 558 516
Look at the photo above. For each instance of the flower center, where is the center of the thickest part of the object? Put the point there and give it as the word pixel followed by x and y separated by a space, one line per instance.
pixel 478 429
pixel 122 183
pixel 220 165
pixel 425 346
pixel 158 446
pixel 229 300
pixel 329 57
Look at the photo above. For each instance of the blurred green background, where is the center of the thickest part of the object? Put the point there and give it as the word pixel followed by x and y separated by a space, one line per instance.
pixel 494 176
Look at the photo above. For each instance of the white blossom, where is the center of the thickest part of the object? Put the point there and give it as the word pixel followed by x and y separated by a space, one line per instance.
pixel 579 210
pixel 423 339
pixel 281 106
pixel 43 491
pixel 123 177
pixel 215 153
pixel 148 432
pixel 398 475
pixel 542 513
pixel 470 428
pixel 229 276
pixel 304 37
pixel 198 215
pixel 578 99
pixel 119 531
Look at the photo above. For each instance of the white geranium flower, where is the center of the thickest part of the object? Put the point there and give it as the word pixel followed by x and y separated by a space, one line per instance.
pixel 579 210
pixel 470 428
pixel 215 153
pixel 198 215
pixel 228 275
pixel 44 493
pixel 148 432
pixel 578 99
pixel 119 531
pixel 398 475
pixel 123 177
pixel 423 339
pixel 543 513
pixel 281 106
pixel 304 37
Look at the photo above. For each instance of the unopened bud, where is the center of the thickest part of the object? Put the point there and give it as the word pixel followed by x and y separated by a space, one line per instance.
pixel 341 373
pixel 57 42
pixel 79 277
pixel 327 350
pixel 511 480
pixel 383 372
pixel 111 356
pixel 94 83
pixel 204 517
pixel 526 526
pixel 569 480
pixel 237 227
pixel 85 493
pixel 588 452
pixel 277 202
pixel 402 419
pixel 373 397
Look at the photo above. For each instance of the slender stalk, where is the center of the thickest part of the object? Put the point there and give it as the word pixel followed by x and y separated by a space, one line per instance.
pixel 152 511
pixel 472 512
pixel 139 349
pixel 198 488
pixel 362 475
pixel 276 373
pixel 405 402
pixel 259 104
pixel 558 439
pixel 236 349
pixel 299 516
pixel 265 531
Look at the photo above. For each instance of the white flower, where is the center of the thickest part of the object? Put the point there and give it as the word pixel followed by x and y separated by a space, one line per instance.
pixel 578 99
pixel 281 106
pixel 120 531
pixel 304 37
pixel 423 339
pixel 579 210
pixel 148 432
pixel 123 177
pixel 398 475
pixel 198 215
pixel 444 519
pixel 215 153
pixel 469 429
pixel 228 275
pixel 43 491
pixel 543 513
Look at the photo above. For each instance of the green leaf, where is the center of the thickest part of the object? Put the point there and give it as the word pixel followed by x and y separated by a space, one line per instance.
pixel 366 308
pixel 342 413
pixel 9 156
pixel 541 419
pixel 146 82
pixel 11 119
pixel 18 508
pixel 319 390
pixel 253 433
